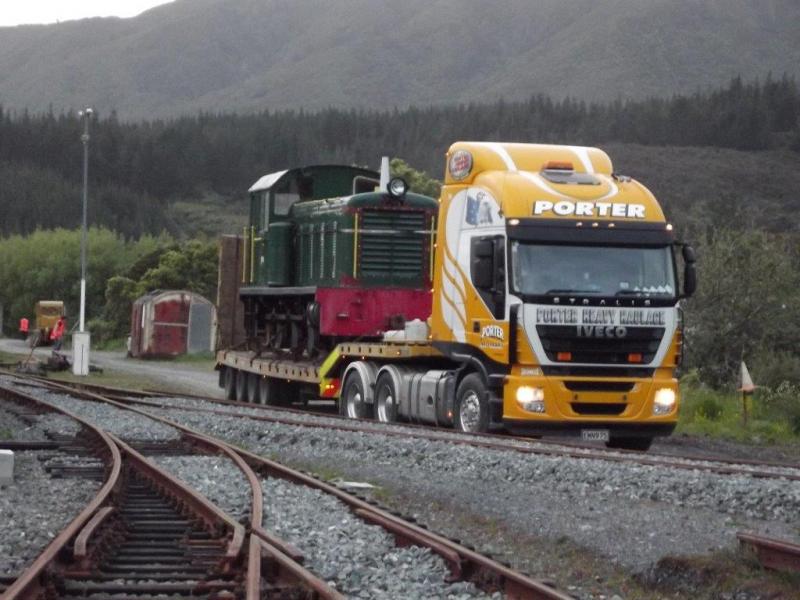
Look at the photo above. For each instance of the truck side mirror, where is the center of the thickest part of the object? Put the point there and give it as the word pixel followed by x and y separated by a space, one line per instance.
pixel 689 271
pixel 689 279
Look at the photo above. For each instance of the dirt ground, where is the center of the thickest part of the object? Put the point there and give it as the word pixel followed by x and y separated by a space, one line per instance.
pixel 193 378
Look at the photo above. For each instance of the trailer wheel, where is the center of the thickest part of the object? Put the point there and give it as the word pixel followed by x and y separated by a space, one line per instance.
pixel 230 383
pixel 241 385
pixel 472 405
pixel 387 395
pixel 641 444
pixel 267 391
pixel 252 387
pixel 353 401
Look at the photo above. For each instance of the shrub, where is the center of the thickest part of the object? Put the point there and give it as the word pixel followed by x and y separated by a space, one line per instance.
pixel 782 403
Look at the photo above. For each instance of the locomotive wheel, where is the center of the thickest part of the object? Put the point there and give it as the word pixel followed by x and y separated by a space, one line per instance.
pixel 279 335
pixel 387 396
pixel 241 385
pixel 252 387
pixel 354 402
pixel 472 405
pixel 297 336
pixel 312 341
pixel 230 383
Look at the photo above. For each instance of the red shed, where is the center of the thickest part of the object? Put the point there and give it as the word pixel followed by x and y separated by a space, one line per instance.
pixel 169 323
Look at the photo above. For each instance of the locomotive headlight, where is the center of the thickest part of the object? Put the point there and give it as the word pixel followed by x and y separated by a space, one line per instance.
pixel 397 187
pixel 664 401
pixel 530 399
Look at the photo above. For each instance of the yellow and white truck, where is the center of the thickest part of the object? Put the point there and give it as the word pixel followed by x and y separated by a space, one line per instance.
pixel 555 308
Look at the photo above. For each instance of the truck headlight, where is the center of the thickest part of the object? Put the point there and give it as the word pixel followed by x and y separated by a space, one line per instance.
pixel 530 398
pixel 664 401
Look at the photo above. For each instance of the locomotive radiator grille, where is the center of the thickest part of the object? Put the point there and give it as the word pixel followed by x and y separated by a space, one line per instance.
pixel 392 244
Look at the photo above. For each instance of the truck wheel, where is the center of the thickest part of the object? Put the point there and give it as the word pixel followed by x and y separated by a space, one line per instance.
pixel 472 406
pixel 641 444
pixel 387 394
pixel 353 401
pixel 252 387
pixel 241 386
pixel 230 383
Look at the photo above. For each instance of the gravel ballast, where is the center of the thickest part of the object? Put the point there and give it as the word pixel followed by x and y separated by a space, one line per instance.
pixel 451 435
pixel 215 477
pixel 35 508
pixel 631 513
pixel 360 560
pixel 125 424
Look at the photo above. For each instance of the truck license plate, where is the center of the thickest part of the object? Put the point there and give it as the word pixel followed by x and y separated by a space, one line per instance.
pixel 594 435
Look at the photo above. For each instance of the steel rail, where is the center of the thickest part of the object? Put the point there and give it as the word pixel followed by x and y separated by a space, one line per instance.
pixel 30 583
pixel 284 559
pixel 772 553
pixel 495 442
pixel 462 562
pixel 560 446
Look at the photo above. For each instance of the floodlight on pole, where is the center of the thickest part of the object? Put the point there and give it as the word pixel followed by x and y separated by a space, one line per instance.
pixel 81 340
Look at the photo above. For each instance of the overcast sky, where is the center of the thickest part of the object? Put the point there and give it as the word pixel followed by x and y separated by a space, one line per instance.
pixel 18 12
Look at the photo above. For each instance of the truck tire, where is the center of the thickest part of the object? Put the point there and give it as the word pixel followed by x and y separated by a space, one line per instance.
pixel 387 393
pixel 357 390
pixel 230 383
pixel 252 387
pixel 642 444
pixel 241 385
pixel 472 405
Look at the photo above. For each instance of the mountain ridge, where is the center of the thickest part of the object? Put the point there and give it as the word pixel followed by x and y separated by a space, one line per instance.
pixel 250 55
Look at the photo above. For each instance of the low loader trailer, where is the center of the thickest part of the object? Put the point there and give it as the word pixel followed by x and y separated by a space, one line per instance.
pixel 539 294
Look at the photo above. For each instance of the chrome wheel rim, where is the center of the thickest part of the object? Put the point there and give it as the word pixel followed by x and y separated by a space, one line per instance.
pixel 385 407
pixel 469 412
pixel 353 401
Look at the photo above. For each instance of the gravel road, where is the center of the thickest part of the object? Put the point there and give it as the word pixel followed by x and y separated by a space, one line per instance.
pixel 192 378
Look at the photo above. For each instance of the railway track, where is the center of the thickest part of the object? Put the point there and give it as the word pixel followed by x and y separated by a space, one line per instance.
pixel 462 564
pixel 294 417
pixel 147 535
pixel 772 553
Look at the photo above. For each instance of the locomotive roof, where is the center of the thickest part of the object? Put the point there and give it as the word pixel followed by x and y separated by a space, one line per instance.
pixel 322 172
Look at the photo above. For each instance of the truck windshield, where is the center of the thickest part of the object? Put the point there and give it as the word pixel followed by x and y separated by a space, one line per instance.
pixel 550 269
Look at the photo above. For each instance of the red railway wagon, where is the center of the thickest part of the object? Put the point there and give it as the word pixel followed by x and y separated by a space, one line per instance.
pixel 170 323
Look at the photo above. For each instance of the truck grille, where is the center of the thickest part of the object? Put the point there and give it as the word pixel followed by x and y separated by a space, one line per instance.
pixel 604 351
pixel 392 243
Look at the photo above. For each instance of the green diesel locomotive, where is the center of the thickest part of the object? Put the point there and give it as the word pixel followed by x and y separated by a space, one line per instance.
pixel 330 256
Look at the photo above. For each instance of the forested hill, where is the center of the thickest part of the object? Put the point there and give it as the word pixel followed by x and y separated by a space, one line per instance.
pixel 139 169
pixel 252 55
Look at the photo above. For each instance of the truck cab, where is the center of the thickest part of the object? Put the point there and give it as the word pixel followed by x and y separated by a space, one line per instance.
pixel 557 283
